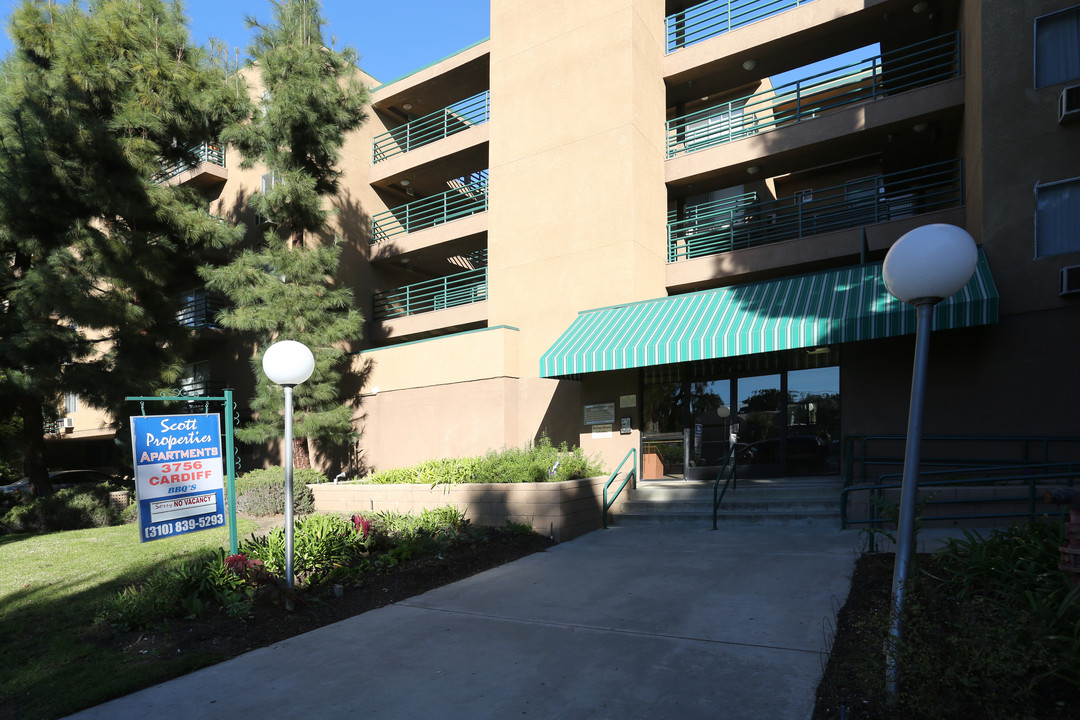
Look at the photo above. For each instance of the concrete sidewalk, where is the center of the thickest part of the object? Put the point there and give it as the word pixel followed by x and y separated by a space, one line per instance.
pixel 645 622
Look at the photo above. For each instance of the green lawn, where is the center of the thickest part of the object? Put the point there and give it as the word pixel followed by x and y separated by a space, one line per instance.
pixel 50 588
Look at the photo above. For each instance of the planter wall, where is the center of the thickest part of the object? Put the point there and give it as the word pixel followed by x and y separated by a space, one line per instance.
pixel 563 510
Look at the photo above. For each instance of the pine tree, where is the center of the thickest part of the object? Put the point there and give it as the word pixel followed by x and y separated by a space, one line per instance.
pixel 285 288
pixel 92 101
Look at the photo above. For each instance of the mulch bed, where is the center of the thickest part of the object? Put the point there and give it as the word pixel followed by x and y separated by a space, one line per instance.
pixel 219 637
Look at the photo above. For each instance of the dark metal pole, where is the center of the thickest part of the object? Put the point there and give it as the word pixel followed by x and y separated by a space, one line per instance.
pixel 909 489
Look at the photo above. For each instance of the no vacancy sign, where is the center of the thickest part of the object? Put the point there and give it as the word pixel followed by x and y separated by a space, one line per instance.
pixel 178 474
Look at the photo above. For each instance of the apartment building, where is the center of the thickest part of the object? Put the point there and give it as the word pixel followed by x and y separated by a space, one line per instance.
pixel 635 217
pixel 654 223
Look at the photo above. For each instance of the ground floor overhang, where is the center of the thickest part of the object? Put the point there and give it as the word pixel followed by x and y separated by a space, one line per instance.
pixel 804 311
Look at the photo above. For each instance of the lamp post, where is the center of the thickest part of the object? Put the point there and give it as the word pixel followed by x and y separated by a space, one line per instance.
pixel 288 363
pixel 922 268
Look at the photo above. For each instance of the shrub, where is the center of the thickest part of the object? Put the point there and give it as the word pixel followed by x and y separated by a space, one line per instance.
pixel 539 462
pixel 189 589
pixel 67 509
pixel 321 544
pixel 262 492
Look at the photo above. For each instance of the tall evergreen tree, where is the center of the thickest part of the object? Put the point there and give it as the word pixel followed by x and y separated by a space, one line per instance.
pixel 93 99
pixel 285 288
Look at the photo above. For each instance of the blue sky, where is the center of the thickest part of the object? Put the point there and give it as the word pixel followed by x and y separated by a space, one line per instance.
pixel 393 39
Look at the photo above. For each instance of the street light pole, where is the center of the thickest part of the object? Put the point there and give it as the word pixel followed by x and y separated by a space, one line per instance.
pixel 288 363
pixel 922 268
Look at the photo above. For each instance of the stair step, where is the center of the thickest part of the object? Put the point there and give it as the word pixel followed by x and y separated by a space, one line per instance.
pixel 754 502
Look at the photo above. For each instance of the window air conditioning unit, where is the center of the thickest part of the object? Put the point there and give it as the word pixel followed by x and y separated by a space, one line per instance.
pixel 69 423
pixel 1070 280
pixel 1069 104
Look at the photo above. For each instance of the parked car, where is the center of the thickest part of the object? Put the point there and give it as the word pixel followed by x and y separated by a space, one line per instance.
pixel 64 479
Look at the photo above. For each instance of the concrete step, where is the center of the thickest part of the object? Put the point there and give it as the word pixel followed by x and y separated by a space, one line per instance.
pixel 762 505
pixel 754 502
pixel 704 520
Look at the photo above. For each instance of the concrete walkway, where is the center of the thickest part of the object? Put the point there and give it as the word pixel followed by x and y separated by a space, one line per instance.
pixel 645 622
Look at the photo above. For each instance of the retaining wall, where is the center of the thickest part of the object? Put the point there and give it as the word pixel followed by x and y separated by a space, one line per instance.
pixel 563 510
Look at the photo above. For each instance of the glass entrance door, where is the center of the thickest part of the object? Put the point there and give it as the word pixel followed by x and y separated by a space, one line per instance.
pixel 760 424
pixel 710 428
pixel 813 433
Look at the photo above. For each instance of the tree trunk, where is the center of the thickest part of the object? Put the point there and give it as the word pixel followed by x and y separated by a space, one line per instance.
pixel 301 458
pixel 34 446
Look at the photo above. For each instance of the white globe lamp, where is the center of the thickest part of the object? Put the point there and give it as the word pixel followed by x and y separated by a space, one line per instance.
pixel 931 262
pixel 288 363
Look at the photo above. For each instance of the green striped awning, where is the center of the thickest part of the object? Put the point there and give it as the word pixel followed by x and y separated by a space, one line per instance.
pixel 822 308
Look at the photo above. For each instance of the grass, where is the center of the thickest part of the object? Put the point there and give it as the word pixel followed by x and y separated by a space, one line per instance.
pixel 50 588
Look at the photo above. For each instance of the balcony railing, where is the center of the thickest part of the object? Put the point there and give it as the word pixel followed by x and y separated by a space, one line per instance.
pixel 445 292
pixel 890 73
pixel 206 152
pixel 716 17
pixel 428 129
pixel 199 311
pixel 729 226
pixel 460 202
pixel 202 388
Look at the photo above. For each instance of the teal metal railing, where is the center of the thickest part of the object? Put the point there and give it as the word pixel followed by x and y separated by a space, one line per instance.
pixel 430 128
pixel 460 202
pixel 716 17
pixel 1008 485
pixel 744 222
pixel 728 475
pixel 866 457
pixel 430 295
pixel 859 82
pixel 630 475
pixel 207 152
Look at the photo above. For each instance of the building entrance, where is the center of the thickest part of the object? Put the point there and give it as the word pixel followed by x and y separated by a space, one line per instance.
pixel 781 424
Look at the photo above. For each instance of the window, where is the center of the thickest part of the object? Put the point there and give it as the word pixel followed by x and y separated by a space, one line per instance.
pixel 71 403
pixel 1057 47
pixel 1057 218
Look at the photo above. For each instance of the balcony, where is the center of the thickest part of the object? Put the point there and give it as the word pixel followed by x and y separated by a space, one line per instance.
pixel 716 17
pixel 460 202
pixel 430 295
pixel 880 76
pixel 431 128
pixel 202 388
pixel 744 221
pixel 198 309
pixel 208 169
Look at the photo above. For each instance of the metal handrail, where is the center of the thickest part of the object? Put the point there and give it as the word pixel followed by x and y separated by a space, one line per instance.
pixel 433 127
pixel 629 476
pixel 889 73
pixel 716 17
pixel 1049 471
pixel 207 152
pixel 718 493
pixel 460 202
pixel 430 295
pixel 1025 443
pixel 854 204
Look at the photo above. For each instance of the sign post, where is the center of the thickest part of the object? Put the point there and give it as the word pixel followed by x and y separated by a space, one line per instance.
pixel 178 469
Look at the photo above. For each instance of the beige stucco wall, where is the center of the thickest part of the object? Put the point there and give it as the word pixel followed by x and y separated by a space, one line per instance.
pixel 1022 145
pixel 578 201
pixel 562 510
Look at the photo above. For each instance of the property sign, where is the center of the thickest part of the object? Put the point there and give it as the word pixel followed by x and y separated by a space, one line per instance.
pixel 178 474
pixel 600 413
